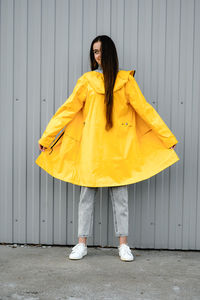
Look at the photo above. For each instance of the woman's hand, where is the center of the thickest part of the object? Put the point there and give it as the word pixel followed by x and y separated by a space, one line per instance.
pixel 173 147
pixel 42 148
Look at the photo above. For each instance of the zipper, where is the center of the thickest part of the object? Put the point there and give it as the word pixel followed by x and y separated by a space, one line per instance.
pixel 56 142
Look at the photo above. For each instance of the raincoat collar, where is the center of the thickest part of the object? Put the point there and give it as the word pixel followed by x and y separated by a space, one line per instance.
pixel 96 81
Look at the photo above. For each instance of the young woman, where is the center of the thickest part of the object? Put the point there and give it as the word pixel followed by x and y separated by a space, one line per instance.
pixel 105 135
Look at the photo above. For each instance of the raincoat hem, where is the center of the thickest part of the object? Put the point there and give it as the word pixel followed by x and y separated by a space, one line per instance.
pixel 128 181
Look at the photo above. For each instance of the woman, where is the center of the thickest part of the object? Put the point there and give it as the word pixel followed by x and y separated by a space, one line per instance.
pixel 111 137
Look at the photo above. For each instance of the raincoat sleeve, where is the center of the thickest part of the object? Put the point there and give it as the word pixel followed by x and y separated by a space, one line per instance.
pixel 147 112
pixel 65 112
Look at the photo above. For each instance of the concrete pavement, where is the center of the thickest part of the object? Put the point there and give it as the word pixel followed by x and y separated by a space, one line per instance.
pixel 46 273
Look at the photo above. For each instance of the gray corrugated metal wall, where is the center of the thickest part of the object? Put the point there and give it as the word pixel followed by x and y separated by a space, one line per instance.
pixel 44 47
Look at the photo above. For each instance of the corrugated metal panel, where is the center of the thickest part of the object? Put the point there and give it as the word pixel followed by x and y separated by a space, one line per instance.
pixel 44 49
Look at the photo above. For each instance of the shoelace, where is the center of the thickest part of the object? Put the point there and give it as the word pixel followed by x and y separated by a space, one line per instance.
pixel 77 246
pixel 125 249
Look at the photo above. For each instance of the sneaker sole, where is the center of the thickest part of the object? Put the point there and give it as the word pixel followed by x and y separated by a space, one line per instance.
pixel 128 260
pixel 75 258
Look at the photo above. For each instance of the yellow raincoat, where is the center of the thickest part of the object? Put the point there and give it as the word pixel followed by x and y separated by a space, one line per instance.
pixel 80 150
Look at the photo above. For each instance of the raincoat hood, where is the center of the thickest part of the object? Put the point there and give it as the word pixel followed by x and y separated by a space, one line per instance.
pixel 96 80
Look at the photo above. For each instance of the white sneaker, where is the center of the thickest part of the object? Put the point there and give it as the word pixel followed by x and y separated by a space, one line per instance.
pixel 125 253
pixel 78 251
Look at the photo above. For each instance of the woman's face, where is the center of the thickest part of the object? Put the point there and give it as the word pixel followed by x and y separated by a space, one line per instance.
pixel 97 52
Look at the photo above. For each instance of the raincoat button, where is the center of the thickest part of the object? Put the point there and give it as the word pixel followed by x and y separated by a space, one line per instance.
pixel 126 123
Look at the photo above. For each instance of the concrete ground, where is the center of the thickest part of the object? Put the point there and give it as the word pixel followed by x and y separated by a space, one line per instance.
pixel 46 273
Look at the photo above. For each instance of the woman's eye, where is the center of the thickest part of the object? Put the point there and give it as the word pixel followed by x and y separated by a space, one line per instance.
pixel 96 51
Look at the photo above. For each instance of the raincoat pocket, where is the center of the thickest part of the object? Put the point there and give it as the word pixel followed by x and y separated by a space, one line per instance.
pixel 72 132
pixel 147 131
pixel 69 148
pixel 141 126
pixel 75 127
pixel 72 138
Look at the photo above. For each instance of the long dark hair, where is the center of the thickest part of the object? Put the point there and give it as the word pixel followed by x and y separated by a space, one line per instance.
pixel 110 67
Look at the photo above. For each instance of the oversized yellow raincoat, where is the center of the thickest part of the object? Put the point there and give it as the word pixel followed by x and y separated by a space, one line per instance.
pixel 80 150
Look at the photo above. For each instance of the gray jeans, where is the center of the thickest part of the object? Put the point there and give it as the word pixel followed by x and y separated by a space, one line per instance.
pixel 119 197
